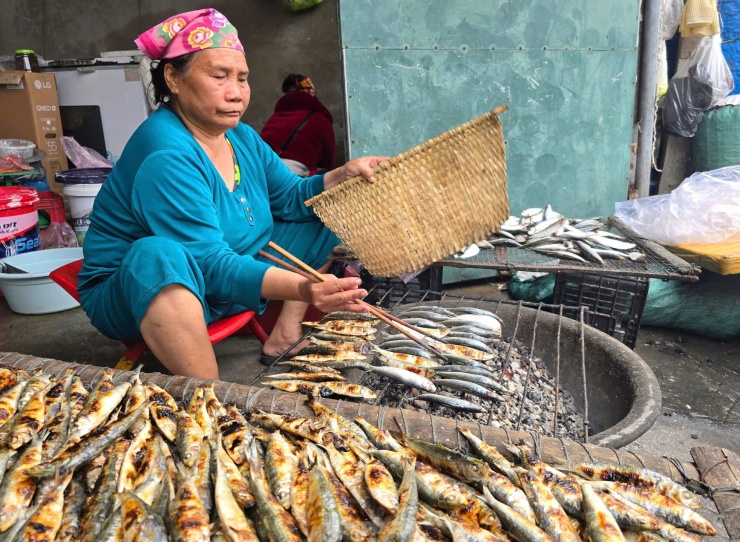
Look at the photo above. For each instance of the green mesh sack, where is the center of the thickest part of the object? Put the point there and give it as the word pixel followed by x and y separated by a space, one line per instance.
pixel 298 5
pixel 717 141
pixel 533 289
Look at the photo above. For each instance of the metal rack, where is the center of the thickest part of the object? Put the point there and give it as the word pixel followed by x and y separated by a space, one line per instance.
pixel 659 263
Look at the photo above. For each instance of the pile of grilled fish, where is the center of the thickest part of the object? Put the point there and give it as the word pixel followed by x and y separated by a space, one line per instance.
pixel 125 462
pixel 549 233
pixel 459 345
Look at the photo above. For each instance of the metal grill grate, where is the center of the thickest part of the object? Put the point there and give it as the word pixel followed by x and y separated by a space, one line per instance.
pixel 659 263
pixel 448 299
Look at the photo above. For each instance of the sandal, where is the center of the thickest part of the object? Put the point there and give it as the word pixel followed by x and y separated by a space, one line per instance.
pixel 268 361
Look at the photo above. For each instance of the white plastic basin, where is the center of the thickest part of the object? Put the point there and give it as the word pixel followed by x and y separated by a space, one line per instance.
pixel 33 292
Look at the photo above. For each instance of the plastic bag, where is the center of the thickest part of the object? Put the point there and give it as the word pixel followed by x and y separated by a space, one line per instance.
pixel 670 17
pixel 58 235
pixel 705 208
pixel 82 157
pixel 698 85
pixel 14 163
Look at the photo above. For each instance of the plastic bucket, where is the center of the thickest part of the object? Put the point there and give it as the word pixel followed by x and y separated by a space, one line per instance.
pixel 81 199
pixel 32 291
pixel 19 220
pixel 81 186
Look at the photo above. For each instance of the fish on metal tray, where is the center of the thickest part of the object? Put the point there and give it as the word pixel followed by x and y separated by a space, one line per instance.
pixel 324 522
pixel 478 379
pixel 307 367
pixel 189 438
pixel 344 427
pixel 431 485
pixel 334 356
pixel 660 505
pixel 351 472
pixel 300 386
pixel 454 403
pixel 402 526
pixel 308 376
pixel 405 377
pixel 274 519
pixel 469 342
pixel 341 328
pixel 348 315
pixel 550 514
pixel 601 525
pixel 520 527
pixel 280 464
pixel 457 464
pixel 470 388
pixel 635 476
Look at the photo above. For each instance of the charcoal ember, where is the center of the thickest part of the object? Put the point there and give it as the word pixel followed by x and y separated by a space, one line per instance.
pixel 515 362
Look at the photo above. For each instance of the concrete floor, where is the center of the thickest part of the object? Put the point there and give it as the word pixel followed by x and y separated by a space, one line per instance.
pixel 699 377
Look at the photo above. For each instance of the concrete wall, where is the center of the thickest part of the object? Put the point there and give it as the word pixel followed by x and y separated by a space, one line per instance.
pixel 277 42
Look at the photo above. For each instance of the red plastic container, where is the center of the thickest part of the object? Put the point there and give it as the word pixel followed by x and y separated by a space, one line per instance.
pixel 19 220
pixel 53 204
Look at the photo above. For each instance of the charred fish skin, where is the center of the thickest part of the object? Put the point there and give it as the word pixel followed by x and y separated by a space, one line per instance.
pixel 323 515
pixel 432 487
pixel 276 520
pixel 163 411
pixel 231 518
pixel 189 438
pixel 344 427
pixel 188 519
pixel 380 484
pixel 660 505
pixel 638 477
pixel 73 505
pixel 299 492
pixel 520 528
pixel 16 490
pixel 86 450
pixel 550 514
pixel 401 528
pixel 457 464
pixel 601 525
pixel 280 464
pixel 351 473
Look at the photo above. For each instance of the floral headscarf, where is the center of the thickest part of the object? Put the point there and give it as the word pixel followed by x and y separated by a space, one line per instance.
pixel 302 84
pixel 189 32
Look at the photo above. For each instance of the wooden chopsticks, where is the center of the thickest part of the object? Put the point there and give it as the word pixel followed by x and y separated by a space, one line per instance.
pixel 310 273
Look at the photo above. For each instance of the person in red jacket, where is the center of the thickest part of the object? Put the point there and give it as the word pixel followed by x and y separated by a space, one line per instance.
pixel 300 130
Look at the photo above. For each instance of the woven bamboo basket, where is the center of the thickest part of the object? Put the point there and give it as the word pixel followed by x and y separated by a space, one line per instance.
pixel 426 203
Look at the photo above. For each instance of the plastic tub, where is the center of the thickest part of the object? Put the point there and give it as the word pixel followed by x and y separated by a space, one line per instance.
pixel 33 292
pixel 81 186
pixel 19 220
pixel 11 147
pixel 81 199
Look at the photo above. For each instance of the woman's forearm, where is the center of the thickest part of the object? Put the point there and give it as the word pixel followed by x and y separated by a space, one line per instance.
pixel 285 286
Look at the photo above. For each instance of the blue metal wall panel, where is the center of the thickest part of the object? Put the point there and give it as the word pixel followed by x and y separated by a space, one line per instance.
pixel 566 69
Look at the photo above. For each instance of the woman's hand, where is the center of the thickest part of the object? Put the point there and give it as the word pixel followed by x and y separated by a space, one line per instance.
pixel 334 295
pixel 359 166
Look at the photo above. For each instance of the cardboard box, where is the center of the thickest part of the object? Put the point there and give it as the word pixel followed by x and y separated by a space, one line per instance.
pixel 30 110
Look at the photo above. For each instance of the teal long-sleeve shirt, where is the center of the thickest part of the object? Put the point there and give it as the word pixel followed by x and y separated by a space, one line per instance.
pixel 165 185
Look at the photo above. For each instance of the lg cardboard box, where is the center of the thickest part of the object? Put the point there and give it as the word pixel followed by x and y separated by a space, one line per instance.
pixel 29 109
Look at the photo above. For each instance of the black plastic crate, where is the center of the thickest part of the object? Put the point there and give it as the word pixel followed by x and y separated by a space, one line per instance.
pixel 387 292
pixel 614 304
